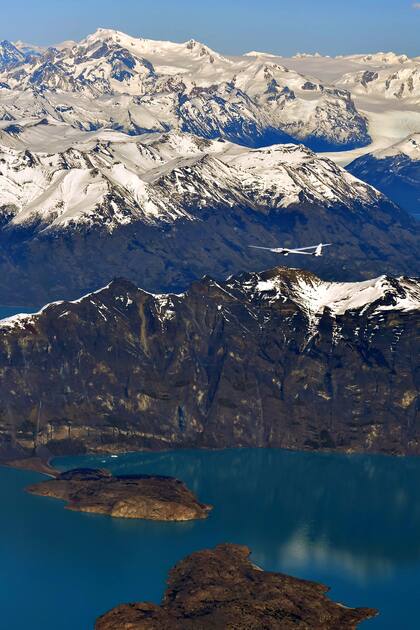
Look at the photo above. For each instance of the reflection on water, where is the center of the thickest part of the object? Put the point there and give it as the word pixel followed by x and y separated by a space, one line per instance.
pixel 352 522
pixel 317 508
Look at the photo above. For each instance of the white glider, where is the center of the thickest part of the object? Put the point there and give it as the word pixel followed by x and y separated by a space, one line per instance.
pixel 312 250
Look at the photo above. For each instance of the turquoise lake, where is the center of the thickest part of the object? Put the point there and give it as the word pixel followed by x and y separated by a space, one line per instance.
pixel 352 522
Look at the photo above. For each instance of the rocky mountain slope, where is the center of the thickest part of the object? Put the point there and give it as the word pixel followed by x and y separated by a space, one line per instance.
pixel 222 588
pixel 395 171
pixel 167 208
pixel 279 358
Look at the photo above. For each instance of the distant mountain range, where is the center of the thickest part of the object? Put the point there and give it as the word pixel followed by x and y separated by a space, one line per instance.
pixel 279 358
pixel 186 87
pixel 110 79
pixel 161 161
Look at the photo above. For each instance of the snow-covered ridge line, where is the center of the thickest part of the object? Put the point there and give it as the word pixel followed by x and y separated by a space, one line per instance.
pixel 313 296
pixel 50 98
pixel 316 296
pixel 410 147
pixel 20 320
pixel 113 179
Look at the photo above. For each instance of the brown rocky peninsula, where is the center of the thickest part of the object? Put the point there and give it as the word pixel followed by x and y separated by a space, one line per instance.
pixel 156 498
pixel 35 464
pixel 221 588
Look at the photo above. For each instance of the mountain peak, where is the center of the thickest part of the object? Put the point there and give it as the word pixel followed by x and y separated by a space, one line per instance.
pixel 164 178
pixel 316 297
pixel 9 54
pixel 105 33
pixel 293 347
pixel 204 51
pixel 125 41
pixel 312 295
pixel 111 35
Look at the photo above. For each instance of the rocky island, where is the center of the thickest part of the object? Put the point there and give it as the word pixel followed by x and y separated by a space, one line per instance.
pixel 222 588
pixel 156 498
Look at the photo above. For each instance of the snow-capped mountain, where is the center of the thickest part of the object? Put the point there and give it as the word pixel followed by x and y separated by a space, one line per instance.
pixel 10 55
pixel 82 173
pixel 383 86
pixel 112 180
pixel 330 69
pixel 112 80
pixel 316 297
pixel 402 82
pixel 279 358
pixel 312 295
pixel 395 171
pixel 166 208
pixel 188 87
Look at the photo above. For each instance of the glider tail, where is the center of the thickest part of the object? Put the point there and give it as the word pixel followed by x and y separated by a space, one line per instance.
pixel 318 250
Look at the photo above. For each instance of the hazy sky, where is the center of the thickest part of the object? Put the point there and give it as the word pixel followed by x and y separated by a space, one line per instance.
pixel 231 26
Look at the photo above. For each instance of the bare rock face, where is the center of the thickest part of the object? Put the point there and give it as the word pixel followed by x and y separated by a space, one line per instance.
pixel 154 498
pixel 274 359
pixel 221 588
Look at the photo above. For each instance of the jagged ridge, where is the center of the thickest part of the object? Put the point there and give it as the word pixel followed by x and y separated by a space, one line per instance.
pixel 280 358
pixel 115 180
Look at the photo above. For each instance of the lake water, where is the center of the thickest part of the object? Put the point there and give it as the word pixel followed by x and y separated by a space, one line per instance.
pixel 8 311
pixel 352 522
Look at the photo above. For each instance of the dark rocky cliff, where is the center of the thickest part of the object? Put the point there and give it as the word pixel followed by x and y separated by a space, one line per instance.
pixel 397 176
pixel 278 359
